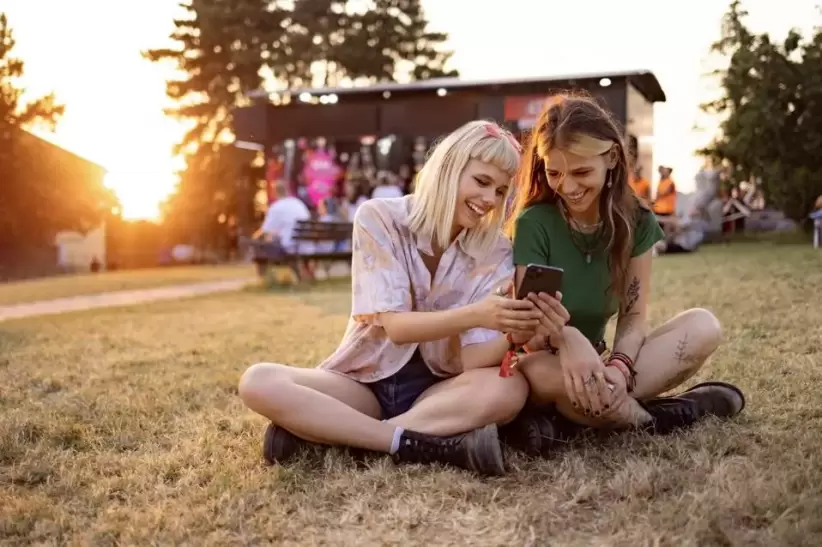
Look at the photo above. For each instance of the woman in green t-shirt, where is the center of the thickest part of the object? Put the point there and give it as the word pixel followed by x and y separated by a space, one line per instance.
pixel 575 210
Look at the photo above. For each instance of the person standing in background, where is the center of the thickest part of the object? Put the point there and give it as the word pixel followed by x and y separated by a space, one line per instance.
pixel 641 187
pixel 665 202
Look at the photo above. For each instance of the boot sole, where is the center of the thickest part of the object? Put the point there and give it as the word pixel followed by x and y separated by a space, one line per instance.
pixel 485 452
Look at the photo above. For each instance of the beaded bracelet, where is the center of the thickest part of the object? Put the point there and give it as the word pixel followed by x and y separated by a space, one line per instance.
pixel 626 366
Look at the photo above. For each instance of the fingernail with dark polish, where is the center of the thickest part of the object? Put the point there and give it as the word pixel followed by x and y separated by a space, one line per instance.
pixel 607 407
pixel 596 413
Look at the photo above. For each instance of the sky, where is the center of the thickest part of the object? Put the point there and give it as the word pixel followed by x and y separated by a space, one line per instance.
pixel 88 52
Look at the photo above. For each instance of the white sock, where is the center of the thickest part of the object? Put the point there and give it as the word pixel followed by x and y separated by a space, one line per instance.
pixel 395 442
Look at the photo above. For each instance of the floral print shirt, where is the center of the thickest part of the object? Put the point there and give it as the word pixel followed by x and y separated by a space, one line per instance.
pixel 389 275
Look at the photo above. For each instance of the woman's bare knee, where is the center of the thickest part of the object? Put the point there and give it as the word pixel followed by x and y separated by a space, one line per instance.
pixel 260 382
pixel 705 330
pixel 544 377
pixel 504 397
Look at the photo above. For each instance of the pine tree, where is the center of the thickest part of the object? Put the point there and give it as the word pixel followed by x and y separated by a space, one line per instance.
pixel 223 47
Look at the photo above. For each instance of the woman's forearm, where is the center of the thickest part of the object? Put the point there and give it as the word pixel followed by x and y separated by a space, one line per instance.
pixel 414 326
pixel 630 335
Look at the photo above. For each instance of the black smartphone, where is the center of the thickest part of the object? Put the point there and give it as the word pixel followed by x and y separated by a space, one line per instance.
pixel 539 278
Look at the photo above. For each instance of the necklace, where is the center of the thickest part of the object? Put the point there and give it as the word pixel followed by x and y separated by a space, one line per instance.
pixel 584 240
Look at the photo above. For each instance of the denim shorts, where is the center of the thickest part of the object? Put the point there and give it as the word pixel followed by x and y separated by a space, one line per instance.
pixel 397 393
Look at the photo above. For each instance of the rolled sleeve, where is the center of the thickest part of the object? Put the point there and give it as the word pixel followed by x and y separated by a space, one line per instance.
pixel 380 280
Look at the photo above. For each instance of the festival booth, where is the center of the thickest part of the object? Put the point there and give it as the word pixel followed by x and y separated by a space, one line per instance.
pixel 316 136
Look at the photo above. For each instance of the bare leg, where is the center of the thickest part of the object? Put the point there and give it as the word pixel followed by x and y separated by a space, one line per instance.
pixel 544 374
pixel 675 351
pixel 474 399
pixel 316 405
pixel 670 355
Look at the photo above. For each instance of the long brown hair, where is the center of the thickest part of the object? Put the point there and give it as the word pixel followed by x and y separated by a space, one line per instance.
pixel 564 123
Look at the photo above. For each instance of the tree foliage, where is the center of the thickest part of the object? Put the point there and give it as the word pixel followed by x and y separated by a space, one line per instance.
pixel 771 107
pixel 224 48
pixel 43 189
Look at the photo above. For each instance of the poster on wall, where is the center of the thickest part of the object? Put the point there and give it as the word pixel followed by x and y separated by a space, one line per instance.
pixel 523 111
pixel 320 173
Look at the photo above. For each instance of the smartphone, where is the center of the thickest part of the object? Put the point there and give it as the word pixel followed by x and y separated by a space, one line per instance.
pixel 539 278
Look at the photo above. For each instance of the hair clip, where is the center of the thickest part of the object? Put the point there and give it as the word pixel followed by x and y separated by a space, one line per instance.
pixel 497 132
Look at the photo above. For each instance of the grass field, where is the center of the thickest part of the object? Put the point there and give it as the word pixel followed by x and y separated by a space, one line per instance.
pixel 19 292
pixel 124 427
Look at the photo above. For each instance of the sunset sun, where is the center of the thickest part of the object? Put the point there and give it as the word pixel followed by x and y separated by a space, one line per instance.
pixel 141 193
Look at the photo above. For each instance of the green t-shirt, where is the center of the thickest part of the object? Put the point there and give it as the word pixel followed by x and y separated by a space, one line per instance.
pixel 543 237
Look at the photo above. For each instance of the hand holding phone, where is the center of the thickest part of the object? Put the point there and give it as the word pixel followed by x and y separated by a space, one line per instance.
pixel 544 283
pixel 539 278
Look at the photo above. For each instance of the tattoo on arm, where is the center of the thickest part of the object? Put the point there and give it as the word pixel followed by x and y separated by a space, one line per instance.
pixel 631 295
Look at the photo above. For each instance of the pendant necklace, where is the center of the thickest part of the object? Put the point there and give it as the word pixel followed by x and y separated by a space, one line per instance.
pixel 584 240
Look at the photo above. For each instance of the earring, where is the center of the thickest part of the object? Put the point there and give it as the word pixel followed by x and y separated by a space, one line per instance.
pixel 609 178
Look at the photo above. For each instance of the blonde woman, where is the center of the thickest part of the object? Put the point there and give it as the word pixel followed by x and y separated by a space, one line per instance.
pixel 416 375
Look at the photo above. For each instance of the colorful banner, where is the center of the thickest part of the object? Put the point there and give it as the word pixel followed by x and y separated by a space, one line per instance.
pixel 524 110
pixel 321 173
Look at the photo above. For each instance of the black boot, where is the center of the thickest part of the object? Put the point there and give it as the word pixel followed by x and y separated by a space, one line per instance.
pixel 478 450
pixel 280 445
pixel 706 399
pixel 718 399
pixel 537 431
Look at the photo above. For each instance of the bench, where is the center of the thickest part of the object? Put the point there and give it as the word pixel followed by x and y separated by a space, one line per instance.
pixel 314 240
pixel 816 217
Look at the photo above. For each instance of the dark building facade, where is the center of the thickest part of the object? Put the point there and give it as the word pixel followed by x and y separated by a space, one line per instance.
pixel 428 109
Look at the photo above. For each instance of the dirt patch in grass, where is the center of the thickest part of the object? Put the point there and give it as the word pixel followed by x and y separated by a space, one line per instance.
pixel 123 427
pixel 19 292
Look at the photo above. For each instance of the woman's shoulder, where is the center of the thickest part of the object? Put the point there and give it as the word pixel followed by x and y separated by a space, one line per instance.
pixel 644 215
pixel 384 209
pixel 539 211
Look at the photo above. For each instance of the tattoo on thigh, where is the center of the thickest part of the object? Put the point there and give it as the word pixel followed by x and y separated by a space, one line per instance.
pixel 687 360
pixel 632 295
pixel 681 348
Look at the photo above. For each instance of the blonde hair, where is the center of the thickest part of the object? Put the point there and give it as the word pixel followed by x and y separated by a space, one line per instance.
pixel 437 184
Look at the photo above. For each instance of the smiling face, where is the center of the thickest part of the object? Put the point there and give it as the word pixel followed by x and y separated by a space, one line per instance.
pixel 482 189
pixel 578 180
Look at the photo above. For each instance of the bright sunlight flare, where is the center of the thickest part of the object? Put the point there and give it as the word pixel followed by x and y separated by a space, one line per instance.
pixel 141 194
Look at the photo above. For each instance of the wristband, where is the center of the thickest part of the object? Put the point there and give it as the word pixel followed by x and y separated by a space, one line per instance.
pixel 625 365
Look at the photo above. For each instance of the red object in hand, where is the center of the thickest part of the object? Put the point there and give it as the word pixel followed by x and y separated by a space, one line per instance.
pixel 506 368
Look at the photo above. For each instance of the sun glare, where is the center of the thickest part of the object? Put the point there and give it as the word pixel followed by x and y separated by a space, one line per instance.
pixel 140 194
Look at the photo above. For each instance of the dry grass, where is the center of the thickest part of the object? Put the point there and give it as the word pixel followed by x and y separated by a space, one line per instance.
pixel 75 285
pixel 123 427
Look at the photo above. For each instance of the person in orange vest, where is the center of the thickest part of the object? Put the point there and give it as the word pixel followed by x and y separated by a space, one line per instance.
pixel 665 202
pixel 641 187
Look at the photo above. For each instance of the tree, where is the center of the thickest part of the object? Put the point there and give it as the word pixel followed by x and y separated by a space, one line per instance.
pixel 37 198
pixel 770 110
pixel 223 46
